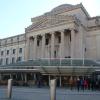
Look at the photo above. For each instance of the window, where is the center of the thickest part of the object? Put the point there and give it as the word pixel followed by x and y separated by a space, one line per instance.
pixel 55 54
pixel 1 61
pixel 85 49
pixel 38 42
pixel 18 38
pixel 14 50
pixel 2 53
pixel 13 60
pixel 47 41
pixel 20 50
pixel 19 59
pixel 7 52
pixel 59 39
pixel 70 37
pixel 7 60
pixel 12 40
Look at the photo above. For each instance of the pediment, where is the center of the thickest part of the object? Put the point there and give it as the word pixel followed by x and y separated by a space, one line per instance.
pixel 48 21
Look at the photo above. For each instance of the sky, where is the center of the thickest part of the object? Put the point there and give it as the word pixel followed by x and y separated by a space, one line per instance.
pixel 15 15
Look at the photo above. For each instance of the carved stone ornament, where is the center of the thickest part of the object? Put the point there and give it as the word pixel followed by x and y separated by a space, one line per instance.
pixel 48 21
pixel 52 18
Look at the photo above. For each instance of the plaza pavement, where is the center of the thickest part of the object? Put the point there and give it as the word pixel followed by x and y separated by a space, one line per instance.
pixel 34 93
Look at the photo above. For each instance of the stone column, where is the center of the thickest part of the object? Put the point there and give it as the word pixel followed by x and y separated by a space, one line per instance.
pixel 62 45
pixel 43 47
pixel 31 53
pixel 27 49
pixel 35 46
pixel 52 45
pixel 72 43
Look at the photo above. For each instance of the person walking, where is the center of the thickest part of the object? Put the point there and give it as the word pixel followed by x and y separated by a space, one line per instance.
pixel 92 84
pixel 71 83
pixel 85 84
pixel 78 84
pixel 82 84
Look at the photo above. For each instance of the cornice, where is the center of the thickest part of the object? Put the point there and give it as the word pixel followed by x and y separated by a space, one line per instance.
pixel 95 17
pixel 84 10
pixel 13 43
pixel 13 37
pixel 59 11
pixel 93 28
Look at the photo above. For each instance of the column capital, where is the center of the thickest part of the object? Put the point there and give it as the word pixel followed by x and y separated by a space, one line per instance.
pixel 64 30
pixel 61 31
pixel 35 36
pixel 74 30
pixel 62 44
pixel 31 38
pixel 52 32
pixel 43 34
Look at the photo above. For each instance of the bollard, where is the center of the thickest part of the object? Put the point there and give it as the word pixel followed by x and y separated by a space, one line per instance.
pixel 53 89
pixel 9 91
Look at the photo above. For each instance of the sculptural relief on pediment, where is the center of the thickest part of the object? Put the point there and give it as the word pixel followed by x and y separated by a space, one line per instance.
pixel 48 21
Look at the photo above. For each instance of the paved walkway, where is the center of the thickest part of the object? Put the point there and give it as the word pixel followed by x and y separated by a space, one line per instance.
pixel 32 93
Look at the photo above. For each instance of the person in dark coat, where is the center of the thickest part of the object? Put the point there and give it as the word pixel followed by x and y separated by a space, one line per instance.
pixel 92 84
pixel 78 84
pixel 82 84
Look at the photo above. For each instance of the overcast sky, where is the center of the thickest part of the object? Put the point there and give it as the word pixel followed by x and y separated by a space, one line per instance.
pixel 15 15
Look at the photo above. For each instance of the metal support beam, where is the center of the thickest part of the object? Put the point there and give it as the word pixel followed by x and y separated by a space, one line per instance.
pixel 49 80
pixel 60 81
pixel 25 78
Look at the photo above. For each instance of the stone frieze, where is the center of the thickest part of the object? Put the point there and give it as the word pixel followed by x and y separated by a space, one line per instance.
pixel 48 21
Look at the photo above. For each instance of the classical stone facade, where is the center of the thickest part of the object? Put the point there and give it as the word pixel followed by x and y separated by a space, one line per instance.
pixel 12 49
pixel 67 31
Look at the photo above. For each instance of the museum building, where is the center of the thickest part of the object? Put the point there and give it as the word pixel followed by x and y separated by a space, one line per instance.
pixel 63 43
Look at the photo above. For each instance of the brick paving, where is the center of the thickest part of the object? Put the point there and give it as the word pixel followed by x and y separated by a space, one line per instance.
pixel 33 93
